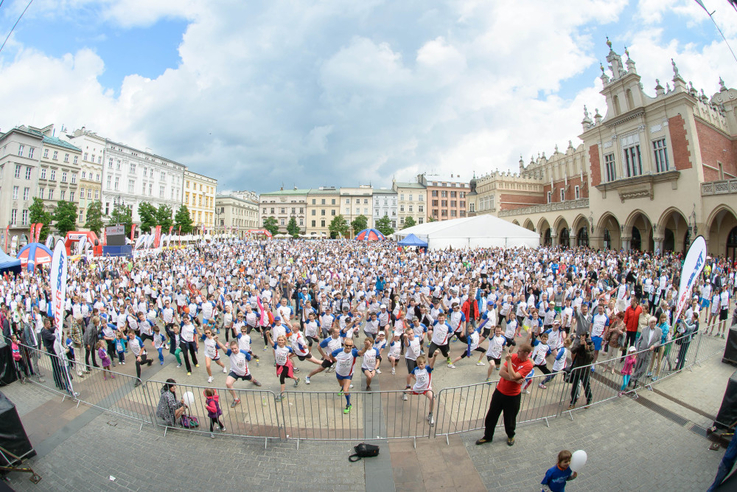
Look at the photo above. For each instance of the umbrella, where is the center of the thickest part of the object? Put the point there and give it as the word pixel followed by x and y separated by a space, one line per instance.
pixel 370 235
pixel 34 254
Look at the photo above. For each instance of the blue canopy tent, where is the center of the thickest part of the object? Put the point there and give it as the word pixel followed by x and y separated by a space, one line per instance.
pixel 413 240
pixel 8 263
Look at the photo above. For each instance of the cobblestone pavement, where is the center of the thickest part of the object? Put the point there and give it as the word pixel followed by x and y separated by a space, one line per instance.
pixel 630 447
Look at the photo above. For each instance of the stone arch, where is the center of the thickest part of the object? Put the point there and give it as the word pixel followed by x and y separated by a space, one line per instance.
pixel 529 225
pixel 580 231
pixel 515 222
pixel 672 231
pixel 638 232
pixel 543 228
pixel 719 231
pixel 562 231
pixel 610 231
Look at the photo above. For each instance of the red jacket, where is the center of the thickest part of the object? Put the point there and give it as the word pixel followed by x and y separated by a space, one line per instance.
pixel 632 317
pixel 466 309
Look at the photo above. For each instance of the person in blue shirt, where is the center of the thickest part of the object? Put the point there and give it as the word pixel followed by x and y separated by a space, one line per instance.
pixel 556 477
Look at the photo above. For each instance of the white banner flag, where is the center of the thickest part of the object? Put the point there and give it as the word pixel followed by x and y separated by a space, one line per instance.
pixel 58 283
pixel 692 267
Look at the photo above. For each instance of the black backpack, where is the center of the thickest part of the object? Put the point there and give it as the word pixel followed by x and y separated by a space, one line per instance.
pixel 364 450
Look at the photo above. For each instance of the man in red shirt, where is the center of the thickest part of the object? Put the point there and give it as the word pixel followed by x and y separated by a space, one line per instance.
pixel 631 320
pixel 506 397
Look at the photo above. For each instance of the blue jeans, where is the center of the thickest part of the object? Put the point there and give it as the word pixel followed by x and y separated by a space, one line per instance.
pixel 725 467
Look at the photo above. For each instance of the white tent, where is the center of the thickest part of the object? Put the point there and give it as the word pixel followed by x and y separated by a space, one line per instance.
pixel 482 231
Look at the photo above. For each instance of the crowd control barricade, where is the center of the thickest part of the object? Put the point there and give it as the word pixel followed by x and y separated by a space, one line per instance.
pixel 107 390
pixel 257 415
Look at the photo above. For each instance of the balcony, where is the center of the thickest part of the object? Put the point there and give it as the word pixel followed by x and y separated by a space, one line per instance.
pixel 723 187
pixel 547 207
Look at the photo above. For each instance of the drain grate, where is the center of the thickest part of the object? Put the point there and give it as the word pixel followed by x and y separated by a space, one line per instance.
pixel 672 416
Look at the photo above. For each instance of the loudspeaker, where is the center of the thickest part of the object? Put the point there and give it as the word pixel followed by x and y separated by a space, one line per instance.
pixel 730 351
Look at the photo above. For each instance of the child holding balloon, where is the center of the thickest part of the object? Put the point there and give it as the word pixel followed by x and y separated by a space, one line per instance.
pixel 556 477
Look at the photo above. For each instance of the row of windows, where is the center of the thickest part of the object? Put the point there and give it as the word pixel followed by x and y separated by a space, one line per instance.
pixel 358 211
pixel 322 200
pixel 451 213
pixel 322 212
pixel 208 189
pixel 283 222
pixel 453 185
pixel 576 194
pixel 444 194
pixel 52 175
pixel 26 193
pixel 632 159
pixel 96 177
pixel 19 170
pixel 99 158
pixel 62 194
pixel 453 203
pixel 89 194
pixel 208 200
pixel 14 217
pixel 284 210
pixel 420 197
pixel 55 155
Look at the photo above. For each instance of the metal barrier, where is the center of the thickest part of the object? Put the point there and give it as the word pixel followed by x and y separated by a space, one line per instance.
pixel 257 415
pixel 107 390
pixel 319 415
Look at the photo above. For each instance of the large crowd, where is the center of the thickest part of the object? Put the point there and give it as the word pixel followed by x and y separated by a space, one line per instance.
pixel 333 302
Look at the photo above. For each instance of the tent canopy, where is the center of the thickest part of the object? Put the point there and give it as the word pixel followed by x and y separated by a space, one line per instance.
pixel 482 231
pixel 412 240
pixel 34 254
pixel 370 235
pixel 8 263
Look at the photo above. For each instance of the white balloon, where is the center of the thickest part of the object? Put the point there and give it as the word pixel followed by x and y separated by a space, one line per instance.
pixel 188 398
pixel 578 460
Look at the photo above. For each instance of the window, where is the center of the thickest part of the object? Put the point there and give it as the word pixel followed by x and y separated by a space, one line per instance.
pixel 17 170
pixel 13 216
pixel 161 193
pixel 463 204
pixel 41 193
pixel 117 165
pixel 301 222
pixel 46 153
pixel 281 221
pixel 401 197
pixel 632 164
pixel 51 193
pixel 63 176
pixel 89 194
pixel 71 196
pixel 333 201
pixel 453 194
pixel 150 189
pixel 97 194
pixel 74 178
pixel 577 191
pixel 661 156
pixel 421 198
pixel 84 175
pixel 410 208
pixel 109 182
pixel 322 223
pixel 272 210
pixel 611 170
pixel 26 193
pixel 421 220
pixel 81 192
pixel 132 169
pixel 63 195
pixel 420 208
pixel 550 196
pixel 332 212
pixel 117 183
pixel 443 203
pixel 322 212
pixel 401 208
pixel 410 197
pixel 452 213
pixel 56 155
pixel 562 195
pixel 443 194
pixel 313 223
pixel 52 176
pixel 20 150
pixel 110 163
pixel 85 156
pixel 15 192
pixel 30 153
pixel 66 157
pixel 453 203
pixel 24 219
pixel 97 177
pixel 323 201
pixel 131 185
pixel 347 210
pixel 75 158
pixel 434 203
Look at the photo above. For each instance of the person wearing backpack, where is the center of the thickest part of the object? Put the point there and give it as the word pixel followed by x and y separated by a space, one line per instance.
pixel 212 405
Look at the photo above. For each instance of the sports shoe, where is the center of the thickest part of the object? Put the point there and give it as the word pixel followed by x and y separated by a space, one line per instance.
pixel 161 362
pixel 542 386
pixel 225 371
pixel 378 371
pixel 347 408
pixel 451 366
pixel 137 384
pixel 527 392
pixel 223 429
pixel 448 360
pixel 296 369
pixel 351 386
pixel 592 369
pixel 235 403
pixel 212 436
pixel 340 393
pixel 481 441
pixel 488 380
pixel 307 380
pixel 394 370
pixel 296 382
pixel 209 380
pixel 197 365
pixel 189 374
pixel 265 347
pixel 178 365
pixel 621 394
pixel 479 363
pixel 256 382
pixel 278 398
pixel 510 441
pixel 405 397
pixel 654 378
pixel 430 419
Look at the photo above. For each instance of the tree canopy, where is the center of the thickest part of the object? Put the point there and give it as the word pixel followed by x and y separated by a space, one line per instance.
pixel 271 225
pixel 338 227
pixel 409 222
pixel 163 218
pixel 183 220
pixel 39 215
pixel 359 223
pixel 384 225
pixel 292 227
pixel 94 217
pixel 65 216
pixel 122 215
pixel 147 213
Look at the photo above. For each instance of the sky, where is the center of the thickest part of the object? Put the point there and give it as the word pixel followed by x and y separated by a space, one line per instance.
pixel 309 93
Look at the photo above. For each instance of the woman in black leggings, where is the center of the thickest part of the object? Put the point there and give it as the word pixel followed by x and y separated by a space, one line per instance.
pixel 188 343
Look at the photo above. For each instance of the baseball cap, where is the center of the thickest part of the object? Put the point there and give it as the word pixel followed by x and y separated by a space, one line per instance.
pixel 632 349
pixel 383 306
pixel 277 318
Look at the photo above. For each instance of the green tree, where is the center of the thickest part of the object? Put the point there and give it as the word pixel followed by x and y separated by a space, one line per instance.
pixel 94 218
pixel 147 213
pixel 163 218
pixel 409 222
pixel 65 216
pixel 183 220
pixel 292 227
pixel 271 225
pixel 39 215
pixel 384 225
pixel 338 227
pixel 122 215
pixel 431 219
pixel 359 223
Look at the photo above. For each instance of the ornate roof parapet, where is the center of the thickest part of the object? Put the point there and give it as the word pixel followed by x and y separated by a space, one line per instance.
pixel 659 91
pixel 586 122
pixel 679 85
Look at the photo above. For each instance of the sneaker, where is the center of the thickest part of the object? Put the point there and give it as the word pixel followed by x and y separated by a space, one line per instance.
pixel 542 386
pixel 296 382
pixel 527 392
pixel 430 419
pixel 189 374
pixel 197 365
pixel 256 382
pixel 178 365
pixel 655 378
pixel 235 403
pixel 479 363
pixel 405 397
pixel 621 394
pixel 209 380
pixel 347 408
pixel 448 360
pixel 265 347
pixel 223 429
pixel 296 369
pixel 212 436
pixel 451 366
pixel 351 386
pixel 378 371
pixel 137 384
pixel 307 380
pixel 648 374
pixel 592 369
pixel 225 371
pixel 278 398
pixel 394 371
pixel 488 380
pixel 510 441
pixel 112 376
pixel 340 393
pixel 481 441
pixel 722 335
pixel 161 362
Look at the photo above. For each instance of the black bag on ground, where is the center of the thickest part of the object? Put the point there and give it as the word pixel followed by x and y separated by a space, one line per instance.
pixel 364 450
